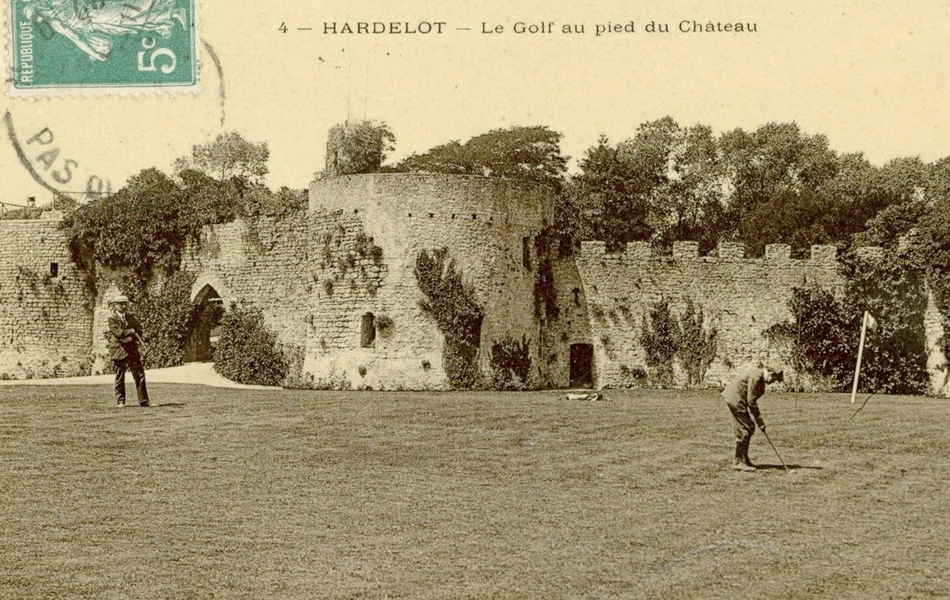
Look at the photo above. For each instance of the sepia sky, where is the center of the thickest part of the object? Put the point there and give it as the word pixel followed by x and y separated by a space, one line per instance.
pixel 872 76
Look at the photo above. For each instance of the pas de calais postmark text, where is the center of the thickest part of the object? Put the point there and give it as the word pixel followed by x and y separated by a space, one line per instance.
pixel 96 45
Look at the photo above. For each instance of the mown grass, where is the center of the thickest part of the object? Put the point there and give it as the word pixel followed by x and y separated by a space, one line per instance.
pixel 287 494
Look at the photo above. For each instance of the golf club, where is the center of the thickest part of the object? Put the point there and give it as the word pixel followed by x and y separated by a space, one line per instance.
pixel 776 450
pixel 863 404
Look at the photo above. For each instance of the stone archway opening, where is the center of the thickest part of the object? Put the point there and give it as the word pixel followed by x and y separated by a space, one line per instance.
pixel 204 338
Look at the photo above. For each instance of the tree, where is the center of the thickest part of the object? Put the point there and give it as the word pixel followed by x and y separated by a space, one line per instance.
pixel 662 185
pixel 602 202
pixel 228 156
pixel 906 188
pixel 209 200
pixel 358 147
pixel 531 153
pixel 776 158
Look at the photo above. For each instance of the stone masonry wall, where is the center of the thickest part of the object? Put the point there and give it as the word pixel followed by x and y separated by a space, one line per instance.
pixel 572 324
pixel 45 319
pixel 258 262
pixel 740 297
pixel 487 224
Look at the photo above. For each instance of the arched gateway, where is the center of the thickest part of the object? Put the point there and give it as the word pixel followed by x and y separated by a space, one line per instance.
pixel 204 337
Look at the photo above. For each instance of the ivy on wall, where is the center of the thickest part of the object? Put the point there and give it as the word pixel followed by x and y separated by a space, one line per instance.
pixel 686 338
pixel 658 338
pixel 695 343
pixel 510 364
pixel 456 313
pixel 168 317
pixel 545 293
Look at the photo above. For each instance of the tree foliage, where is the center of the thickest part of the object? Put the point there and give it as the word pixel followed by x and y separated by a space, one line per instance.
pixel 531 153
pixel 661 185
pixel 229 156
pixel 358 147
pixel 139 228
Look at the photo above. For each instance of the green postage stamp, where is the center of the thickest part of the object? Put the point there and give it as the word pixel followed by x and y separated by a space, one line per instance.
pixel 89 46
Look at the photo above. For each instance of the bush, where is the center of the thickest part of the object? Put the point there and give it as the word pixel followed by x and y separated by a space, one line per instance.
pixel 825 331
pixel 247 352
pixel 819 336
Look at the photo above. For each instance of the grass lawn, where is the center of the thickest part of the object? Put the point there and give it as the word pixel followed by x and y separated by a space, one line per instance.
pixel 220 493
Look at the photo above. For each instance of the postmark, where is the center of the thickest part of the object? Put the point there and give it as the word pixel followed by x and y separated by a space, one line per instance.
pixel 102 46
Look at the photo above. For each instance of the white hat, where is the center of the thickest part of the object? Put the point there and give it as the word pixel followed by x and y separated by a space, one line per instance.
pixel 120 298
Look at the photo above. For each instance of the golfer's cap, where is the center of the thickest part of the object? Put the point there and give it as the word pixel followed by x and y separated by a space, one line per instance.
pixel 778 369
pixel 120 299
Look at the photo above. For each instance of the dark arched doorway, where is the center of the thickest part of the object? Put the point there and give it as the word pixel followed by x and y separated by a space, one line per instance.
pixel 582 365
pixel 205 335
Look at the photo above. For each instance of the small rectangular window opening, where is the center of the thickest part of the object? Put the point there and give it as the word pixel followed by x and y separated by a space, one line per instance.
pixel 54 269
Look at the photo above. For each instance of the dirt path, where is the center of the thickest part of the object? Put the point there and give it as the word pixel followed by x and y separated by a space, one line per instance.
pixel 194 373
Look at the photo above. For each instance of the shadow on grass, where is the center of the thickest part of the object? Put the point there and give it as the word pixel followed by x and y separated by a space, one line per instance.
pixel 764 467
pixel 168 405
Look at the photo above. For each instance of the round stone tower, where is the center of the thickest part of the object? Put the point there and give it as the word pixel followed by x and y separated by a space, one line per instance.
pixel 366 327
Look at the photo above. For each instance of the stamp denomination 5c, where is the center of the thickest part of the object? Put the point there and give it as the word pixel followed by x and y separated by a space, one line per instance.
pixel 102 45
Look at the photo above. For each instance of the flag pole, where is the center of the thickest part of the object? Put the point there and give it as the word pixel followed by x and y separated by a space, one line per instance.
pixel 857 368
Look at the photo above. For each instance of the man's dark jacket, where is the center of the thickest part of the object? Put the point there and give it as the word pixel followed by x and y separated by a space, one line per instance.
pixel 123 336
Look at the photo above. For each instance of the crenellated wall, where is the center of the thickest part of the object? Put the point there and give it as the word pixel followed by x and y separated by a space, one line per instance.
pixel 740 297
pixel 45 310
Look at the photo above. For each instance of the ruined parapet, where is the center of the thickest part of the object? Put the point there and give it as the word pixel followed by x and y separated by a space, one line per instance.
pixel 731 250
pixel 683 250
pixel 635 250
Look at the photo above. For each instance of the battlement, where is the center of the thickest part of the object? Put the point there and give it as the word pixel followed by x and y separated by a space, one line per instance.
pixel 725 251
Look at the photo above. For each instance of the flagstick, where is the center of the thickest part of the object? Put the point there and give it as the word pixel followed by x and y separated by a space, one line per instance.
pixel 857 368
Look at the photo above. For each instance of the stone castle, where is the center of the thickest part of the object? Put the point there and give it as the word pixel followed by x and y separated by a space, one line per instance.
pixel 336 285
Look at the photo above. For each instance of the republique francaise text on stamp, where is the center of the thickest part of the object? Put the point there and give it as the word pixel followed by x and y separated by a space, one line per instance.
pixel 79 46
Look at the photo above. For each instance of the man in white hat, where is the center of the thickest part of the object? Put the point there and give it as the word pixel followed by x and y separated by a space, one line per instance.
pixel 122 339
pixel 742 397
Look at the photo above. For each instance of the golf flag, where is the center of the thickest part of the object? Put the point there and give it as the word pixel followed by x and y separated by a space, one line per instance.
pixel 867 322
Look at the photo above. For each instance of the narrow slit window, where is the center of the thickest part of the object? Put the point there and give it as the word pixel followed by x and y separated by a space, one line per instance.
pixel 368 331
